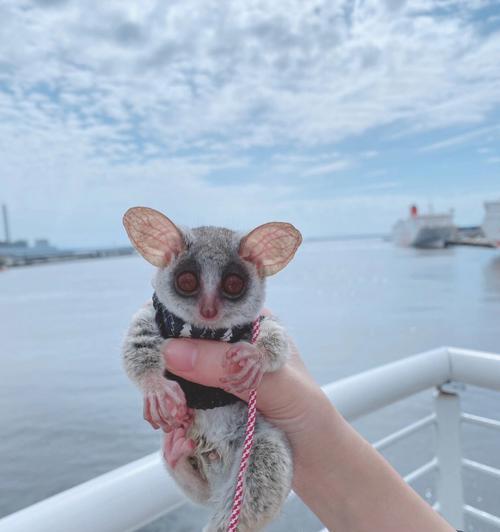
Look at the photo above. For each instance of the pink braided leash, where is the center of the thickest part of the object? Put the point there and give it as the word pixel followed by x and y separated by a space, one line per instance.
pixel 247 446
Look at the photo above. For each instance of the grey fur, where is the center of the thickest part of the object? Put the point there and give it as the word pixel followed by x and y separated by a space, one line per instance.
pixel 141 348
pixel 208 476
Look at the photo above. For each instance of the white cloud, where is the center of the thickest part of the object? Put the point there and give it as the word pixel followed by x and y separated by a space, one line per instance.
pixel 142 101
pixel 456 140
pixel 329 168
pixel 369 154
pixel 247 73
pixel 382 185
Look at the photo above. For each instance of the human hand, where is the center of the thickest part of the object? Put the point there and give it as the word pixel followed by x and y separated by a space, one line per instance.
pixel 338 474
pixel 288 397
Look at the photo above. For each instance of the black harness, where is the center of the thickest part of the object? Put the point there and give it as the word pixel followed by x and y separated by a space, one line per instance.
pixel 171 326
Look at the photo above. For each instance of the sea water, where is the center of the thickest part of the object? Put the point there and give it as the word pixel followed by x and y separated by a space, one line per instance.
pixel 69 413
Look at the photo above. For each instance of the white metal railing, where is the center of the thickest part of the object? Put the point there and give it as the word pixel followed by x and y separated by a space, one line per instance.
pixel 131 496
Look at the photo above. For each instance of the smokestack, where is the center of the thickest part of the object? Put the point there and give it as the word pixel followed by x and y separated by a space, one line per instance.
pixel 6 223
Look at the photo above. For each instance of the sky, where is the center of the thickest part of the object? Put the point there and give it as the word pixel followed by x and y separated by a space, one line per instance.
pixel 334 115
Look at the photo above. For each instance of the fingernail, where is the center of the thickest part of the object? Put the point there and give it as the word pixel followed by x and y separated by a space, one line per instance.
pixel 181 355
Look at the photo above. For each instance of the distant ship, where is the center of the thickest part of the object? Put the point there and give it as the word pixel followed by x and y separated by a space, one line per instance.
pixel 431 230
pixel 491 222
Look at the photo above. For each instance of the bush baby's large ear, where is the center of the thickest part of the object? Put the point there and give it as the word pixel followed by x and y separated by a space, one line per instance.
pixel 154 236
pixel 270 246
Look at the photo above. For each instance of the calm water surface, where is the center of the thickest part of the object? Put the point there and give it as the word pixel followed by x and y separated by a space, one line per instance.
pixel 68 412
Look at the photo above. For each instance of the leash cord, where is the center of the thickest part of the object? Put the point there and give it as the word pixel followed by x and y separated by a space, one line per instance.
pixel 247 447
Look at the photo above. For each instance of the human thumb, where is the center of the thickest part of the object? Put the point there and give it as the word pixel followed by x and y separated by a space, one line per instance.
pixel 198 361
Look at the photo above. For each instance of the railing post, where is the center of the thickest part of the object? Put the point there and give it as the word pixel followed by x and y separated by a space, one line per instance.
pixel 449 454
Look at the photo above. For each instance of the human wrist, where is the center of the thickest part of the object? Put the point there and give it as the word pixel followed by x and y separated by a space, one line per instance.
pixel 293 402
pixel 320 424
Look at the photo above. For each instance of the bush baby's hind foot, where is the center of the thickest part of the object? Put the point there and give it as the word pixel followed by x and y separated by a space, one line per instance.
pixel 177 446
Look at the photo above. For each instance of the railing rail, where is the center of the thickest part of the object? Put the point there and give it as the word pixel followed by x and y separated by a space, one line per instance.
pixel 481 421
pixel 131 496
pixel 481 468
pixel 404 432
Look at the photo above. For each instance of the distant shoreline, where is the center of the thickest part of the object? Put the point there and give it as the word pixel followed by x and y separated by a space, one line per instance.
pixel 20 260
pixel 367 236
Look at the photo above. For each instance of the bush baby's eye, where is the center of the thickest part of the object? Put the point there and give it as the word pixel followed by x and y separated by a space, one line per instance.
pixel 187 283
pixel 233 285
